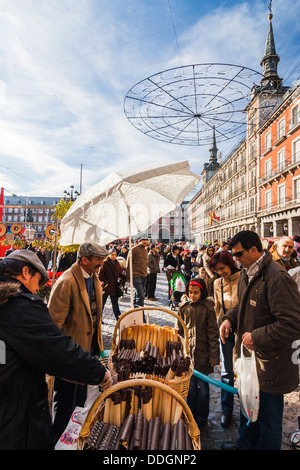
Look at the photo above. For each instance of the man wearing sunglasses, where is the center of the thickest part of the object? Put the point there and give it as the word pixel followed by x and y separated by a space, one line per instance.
pixel 266 320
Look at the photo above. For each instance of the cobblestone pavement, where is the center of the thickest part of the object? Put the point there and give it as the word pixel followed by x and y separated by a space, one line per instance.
pixel 214 434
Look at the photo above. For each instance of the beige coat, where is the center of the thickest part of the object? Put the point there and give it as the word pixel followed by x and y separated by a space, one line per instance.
pixel 69 307
pixel 229 292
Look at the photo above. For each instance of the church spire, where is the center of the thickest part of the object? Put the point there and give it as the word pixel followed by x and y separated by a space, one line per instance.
pixel 270 61
pixel 213 149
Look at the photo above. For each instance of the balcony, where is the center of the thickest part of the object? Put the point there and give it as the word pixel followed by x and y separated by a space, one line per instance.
pixel 278 171
pixel 266 148
pixel 280 204
pixel 294 123
pixel 280 137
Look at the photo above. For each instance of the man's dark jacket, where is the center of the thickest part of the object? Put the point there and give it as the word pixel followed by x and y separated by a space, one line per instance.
pixel 34 346
pixel 269 308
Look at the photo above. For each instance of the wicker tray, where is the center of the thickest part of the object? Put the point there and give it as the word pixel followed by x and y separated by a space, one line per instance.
pixel 96 411
pixel 181 384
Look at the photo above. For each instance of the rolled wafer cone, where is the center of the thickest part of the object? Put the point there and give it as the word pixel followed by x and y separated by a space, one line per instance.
pixel 155 335
pixel 129 334
pixel 166 437
pixel 151 329
pixel 147 403
pixel 135 332
pixel 143 335
pixel 126 431
pixel 107 406
pixel 160 341
pixel 188 440
pixel 154 445
pixel 123 334
pixel 144 434
pixel 174 405
pixel 137 432
pixel 181 440
pixel 116 416
pixel 138 338
pixel 123 404
pixel 148 332
pixel 135 400
pixel 166 408
pixel 173 444
pixel 175 334
pixel 149 434
pixel 156 399
pixel 177 413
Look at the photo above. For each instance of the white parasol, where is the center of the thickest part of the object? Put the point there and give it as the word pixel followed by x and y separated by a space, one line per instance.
pixel 126 203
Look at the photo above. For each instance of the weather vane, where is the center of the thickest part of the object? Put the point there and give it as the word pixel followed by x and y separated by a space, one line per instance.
pixel 270 6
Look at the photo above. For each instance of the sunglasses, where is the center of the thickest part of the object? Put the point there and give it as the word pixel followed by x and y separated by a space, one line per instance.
pixel 238 254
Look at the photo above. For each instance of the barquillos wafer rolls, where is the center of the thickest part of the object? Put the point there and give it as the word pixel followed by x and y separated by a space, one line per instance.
pixel 137 433
pixel 132 363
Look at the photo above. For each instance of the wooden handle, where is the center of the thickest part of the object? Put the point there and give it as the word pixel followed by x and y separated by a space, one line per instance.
pixel 121 317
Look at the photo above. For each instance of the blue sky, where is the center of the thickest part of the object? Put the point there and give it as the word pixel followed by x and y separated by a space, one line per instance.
pixel 67 65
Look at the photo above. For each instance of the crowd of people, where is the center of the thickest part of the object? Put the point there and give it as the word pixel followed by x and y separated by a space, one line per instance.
pixel 237 295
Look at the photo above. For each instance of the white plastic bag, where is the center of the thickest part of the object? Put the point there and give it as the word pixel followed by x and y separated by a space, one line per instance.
pixel 179 285
pixel 69 438
pixel 248 385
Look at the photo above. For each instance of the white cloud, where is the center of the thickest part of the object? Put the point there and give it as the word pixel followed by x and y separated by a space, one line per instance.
pixel 66 66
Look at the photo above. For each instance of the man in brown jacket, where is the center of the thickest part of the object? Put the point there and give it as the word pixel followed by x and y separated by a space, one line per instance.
pixel 75 305
pixel 139 271
pixel 266 320
pixel 282 253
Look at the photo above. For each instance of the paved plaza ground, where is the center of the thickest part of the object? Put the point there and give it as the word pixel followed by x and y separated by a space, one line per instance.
pixel 214 434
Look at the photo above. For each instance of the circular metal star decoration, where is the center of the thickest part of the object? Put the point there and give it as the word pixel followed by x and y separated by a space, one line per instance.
pixel 182 105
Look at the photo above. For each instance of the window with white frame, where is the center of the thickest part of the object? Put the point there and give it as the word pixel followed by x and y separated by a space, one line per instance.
pixel 281 159
pixel 268 168
pixel 295 116
pixel 296 150
pixel 252 177
pixel 268 141
pixel 281 128
pixel 296 189
pixel 268 199
pixel 281 195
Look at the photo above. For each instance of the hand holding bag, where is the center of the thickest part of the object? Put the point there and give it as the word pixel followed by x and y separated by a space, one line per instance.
pixel 248 385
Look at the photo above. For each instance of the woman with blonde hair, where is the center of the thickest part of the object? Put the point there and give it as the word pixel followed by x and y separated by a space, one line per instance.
pixel 225 294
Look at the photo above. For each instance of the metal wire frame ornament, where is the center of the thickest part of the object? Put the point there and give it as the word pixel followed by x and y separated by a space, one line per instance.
pixel 182 105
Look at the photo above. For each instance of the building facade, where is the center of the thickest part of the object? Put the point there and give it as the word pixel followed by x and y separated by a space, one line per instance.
pixel 172 227
pixel 257 186
pixel 33 213
pixel 279 169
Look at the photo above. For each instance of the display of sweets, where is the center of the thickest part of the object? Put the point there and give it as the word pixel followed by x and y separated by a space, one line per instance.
pixel 139 433
pixel 128 363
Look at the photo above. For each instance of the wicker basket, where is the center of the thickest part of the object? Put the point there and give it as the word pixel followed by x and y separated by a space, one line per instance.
pixel 181 384
pixel 96 411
